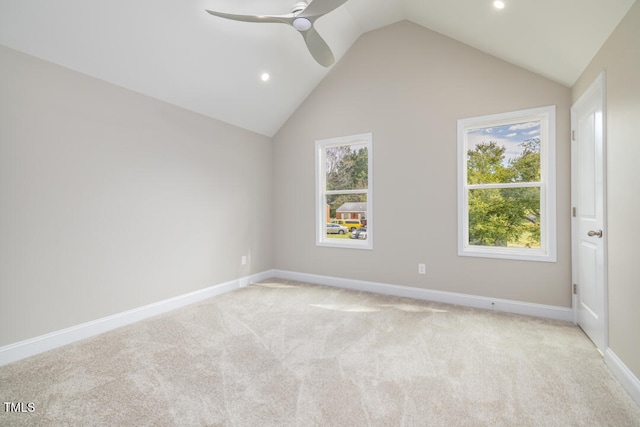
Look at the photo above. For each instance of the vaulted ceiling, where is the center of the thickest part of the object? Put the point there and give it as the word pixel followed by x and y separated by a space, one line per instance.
pixel 176 52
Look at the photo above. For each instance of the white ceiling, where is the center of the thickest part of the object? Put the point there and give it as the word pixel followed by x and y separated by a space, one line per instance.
pixel 176 52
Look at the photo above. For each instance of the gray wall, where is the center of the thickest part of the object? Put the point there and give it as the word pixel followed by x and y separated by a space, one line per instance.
pixel 620 58
pixel 110 200
pixel 409 86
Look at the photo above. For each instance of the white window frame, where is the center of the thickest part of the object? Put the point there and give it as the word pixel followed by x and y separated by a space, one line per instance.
pixel 321 192
pixel 547 250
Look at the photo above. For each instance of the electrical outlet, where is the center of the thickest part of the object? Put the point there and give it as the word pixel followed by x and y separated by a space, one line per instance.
pixel 422 269
pixel 244 260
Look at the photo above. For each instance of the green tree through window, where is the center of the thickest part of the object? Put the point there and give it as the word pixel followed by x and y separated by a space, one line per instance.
pixel 504 216
pixel 347 169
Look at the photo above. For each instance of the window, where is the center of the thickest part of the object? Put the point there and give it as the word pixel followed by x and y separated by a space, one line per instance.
pixel 506 185
pixel 344 192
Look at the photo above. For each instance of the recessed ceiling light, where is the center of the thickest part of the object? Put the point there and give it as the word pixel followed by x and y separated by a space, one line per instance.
pixel 498 4
pixel 265 76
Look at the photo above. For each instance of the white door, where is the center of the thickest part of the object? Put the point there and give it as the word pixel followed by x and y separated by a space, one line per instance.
pixel 588 224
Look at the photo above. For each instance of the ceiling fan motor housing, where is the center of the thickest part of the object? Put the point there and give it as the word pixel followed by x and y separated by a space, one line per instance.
pixel 299 7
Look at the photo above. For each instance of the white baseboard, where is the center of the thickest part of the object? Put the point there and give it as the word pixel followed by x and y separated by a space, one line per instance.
pixel 33 346
pixel 508 306
pixel 20 350
pixel 630 382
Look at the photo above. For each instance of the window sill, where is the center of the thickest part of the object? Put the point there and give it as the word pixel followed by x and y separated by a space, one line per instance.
pixel 346 243
pixel 508 253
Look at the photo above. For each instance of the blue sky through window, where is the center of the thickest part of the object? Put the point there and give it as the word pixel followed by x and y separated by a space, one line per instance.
pixel 509 136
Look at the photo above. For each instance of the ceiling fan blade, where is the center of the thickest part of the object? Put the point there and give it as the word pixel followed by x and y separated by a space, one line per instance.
pixel 318 47
pixel 280 19
pixel 318 8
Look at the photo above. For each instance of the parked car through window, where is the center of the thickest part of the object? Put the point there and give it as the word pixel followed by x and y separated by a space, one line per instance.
pixel 336 229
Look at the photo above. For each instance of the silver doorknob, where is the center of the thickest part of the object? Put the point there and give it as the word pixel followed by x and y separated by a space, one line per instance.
pixel 592 233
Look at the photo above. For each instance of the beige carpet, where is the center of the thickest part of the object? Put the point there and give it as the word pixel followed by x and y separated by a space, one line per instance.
pixel 291 354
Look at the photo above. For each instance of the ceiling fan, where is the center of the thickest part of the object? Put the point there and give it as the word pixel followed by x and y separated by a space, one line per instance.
pixel 301 17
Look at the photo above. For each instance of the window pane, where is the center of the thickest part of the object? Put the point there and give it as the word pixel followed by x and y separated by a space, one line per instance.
pixel 505 217
pixel 345 210
pixel 347 167
pixel 503 154
pixel 344 191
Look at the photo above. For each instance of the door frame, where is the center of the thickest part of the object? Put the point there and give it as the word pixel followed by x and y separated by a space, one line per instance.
pixel 597 86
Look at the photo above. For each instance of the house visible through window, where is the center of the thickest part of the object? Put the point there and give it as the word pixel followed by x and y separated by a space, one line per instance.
pixel 506 189
pixel 344 192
